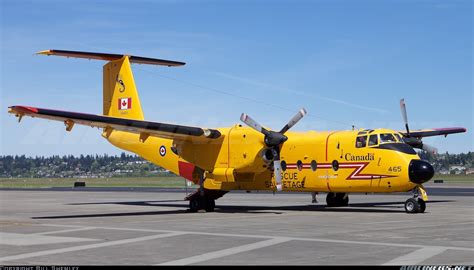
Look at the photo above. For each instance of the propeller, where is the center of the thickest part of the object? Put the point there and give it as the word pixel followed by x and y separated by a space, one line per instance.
pixel 414 142
pixel 403 108
pixel 273 140
pixel 430 149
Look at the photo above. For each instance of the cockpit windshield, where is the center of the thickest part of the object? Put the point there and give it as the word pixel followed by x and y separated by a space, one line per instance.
pixel 399 137
pixel 382 139
pixel 387 138
pixel 373 138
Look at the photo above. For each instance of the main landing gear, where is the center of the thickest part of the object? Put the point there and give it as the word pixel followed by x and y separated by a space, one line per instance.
pixel 416 205
pixel 337 199
pixel 204 200
pixel 199 203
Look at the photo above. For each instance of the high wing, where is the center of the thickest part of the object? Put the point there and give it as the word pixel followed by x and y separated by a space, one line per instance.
pixel 433 132
pixel 169 131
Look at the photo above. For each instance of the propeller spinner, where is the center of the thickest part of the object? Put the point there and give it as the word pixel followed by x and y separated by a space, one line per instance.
pixel 273 140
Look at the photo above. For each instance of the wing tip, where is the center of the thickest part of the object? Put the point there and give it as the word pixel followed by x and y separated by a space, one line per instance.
pixel 45 52
pixel 22 109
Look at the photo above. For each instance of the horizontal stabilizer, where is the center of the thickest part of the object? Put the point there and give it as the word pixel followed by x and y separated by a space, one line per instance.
pixel 112 57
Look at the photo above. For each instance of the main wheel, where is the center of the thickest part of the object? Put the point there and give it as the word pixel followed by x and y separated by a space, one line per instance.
pixel 412 206
pixel 337 199
pixel 342 199
pixel 210 204
pixel 331 199
pixel 194 205
pixel 345 200
pixel 422 205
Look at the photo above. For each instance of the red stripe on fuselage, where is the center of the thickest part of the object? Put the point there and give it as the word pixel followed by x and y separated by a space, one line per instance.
pixel 355 175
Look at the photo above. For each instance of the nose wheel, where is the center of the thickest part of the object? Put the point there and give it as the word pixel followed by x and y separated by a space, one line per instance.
pixel 416 205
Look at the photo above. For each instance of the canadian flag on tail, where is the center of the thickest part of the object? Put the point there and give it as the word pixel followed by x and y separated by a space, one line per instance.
pixel 124 103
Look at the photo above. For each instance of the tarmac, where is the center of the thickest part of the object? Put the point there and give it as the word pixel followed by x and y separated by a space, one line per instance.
pixel 100 226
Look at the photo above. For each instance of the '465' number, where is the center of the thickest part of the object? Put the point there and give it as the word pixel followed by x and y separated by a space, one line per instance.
pixel 395 169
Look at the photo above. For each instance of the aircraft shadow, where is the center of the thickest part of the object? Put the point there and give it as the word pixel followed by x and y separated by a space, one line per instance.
pixel 140 203
pixel 395 207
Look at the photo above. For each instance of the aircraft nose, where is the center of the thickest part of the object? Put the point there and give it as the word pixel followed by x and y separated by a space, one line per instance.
pixel 420 171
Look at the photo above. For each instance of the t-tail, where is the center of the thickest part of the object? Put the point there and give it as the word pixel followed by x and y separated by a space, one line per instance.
pixel 120 95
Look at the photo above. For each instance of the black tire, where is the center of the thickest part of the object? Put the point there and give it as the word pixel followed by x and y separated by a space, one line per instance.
pixel 194 205
pixel 412 206
pixel 422 205
pixel 337 199
pixel 210 205
pixel 331 200
pixel 344 201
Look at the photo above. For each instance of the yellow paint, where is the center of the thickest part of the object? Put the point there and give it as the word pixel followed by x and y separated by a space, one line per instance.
pixel 118 85
pixel 422 191
pixel 234 160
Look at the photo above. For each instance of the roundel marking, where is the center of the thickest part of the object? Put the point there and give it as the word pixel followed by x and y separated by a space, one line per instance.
pixel 162 150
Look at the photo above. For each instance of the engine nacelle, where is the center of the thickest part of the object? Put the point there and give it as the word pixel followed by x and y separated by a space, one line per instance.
pixel 268 155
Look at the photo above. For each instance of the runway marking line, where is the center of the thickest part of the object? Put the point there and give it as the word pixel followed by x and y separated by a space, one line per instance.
pixel 423 253
pixel 416 256
pixel 271 237
pixel 91 246
pixel 21 239
pixel 227 252
pixel 65 231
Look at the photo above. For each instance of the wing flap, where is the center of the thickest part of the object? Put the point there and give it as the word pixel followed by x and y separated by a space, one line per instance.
pixel 163 130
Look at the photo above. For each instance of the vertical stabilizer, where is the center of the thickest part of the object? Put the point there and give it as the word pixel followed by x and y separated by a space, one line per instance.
pixel 120 94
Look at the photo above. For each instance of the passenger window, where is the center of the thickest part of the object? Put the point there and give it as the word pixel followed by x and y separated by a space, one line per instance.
pixel 314 165
pixel 361 141
pixel 373 140
pixel 387 138
pixel 335 165
pixel 299 165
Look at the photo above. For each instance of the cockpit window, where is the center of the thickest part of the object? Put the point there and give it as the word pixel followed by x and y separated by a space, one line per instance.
pixel 399 137
pixel 387 138
pixel 361 141
pixel 373 140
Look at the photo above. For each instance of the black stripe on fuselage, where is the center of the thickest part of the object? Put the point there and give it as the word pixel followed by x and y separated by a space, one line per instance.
pixel 400 147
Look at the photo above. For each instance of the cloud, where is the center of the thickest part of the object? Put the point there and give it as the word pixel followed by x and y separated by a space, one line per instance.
pixel 295 92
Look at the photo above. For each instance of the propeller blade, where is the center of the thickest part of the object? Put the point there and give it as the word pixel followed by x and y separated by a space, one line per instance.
pixel 277 173
pixel 431 149
pixel 403 108
pixel 252 123
pixel 301 113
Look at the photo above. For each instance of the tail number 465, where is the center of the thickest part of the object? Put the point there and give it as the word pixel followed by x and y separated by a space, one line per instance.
pixel 395 169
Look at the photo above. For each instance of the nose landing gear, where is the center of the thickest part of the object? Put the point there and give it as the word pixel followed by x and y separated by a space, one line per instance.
pixel 416 205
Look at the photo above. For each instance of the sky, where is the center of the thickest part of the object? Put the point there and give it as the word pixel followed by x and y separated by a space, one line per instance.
pixel 347 62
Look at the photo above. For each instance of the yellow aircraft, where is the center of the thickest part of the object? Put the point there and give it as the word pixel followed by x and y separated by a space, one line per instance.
pixel 253 157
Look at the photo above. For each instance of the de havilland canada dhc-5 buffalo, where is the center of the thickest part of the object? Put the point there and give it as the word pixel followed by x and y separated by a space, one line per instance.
pixel 253 157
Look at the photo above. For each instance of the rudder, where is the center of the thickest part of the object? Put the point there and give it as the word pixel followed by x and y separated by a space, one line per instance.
pixel 120 96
